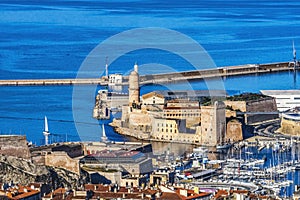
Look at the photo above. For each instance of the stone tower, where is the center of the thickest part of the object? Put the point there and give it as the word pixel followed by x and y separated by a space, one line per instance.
pixel 134 87
pixel 213 124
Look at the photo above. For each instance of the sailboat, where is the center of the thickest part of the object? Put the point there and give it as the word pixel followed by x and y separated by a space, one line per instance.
pixel 46 132
pixel 104 138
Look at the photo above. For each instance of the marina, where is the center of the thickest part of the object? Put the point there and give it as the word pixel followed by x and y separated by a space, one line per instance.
pixel 266 171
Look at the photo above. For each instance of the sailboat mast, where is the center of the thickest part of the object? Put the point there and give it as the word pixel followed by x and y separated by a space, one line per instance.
pixel 294 55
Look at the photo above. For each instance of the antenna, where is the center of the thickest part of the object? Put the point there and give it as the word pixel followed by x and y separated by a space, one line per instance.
pixel 46 132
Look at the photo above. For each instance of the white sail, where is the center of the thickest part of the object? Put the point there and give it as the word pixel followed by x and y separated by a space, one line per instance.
pixel 104 138
pixel 46 125
pixel 46 131
pixel 103 131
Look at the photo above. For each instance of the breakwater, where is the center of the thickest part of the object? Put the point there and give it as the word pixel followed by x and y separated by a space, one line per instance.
pixel 39 82
pixel 217 72
pixel 165 77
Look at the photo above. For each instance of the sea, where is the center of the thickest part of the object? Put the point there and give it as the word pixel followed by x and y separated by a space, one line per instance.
pixel 59 38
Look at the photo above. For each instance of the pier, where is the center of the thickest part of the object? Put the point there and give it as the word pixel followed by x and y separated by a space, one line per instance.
pixel 40 82
pixel 165 77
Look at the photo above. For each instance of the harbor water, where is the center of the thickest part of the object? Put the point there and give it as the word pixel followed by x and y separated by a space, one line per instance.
pixel 51 39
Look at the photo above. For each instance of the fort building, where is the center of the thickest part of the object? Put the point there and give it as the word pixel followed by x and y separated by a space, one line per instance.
pixel 254 108
pixel 195 117
pixel 290 122
pixel 178 120
pixel 153 98
pixel 213 124
pixel 14 145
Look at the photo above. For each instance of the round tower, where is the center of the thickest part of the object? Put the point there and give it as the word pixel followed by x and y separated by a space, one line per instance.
pixel 134 87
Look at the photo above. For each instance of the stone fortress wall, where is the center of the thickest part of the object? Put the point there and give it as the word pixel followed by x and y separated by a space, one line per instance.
pixel 14 145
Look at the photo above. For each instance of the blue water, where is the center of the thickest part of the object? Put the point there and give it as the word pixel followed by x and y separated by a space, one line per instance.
pixel 50 39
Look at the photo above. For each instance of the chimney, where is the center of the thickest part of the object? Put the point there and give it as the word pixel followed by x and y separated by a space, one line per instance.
pixel 124 195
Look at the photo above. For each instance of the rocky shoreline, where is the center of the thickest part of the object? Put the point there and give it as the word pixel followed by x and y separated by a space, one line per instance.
pixel 22 171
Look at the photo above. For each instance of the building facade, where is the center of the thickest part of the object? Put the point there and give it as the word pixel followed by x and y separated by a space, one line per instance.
pixel 285 99
pixel 114 79
pixel 290 123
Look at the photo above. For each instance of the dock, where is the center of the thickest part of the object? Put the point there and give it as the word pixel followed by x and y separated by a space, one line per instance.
pixel 165 77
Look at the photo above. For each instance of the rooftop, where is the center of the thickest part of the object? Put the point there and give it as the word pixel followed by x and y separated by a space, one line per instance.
pixel 191 93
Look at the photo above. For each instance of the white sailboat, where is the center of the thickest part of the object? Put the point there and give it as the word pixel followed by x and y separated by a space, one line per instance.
pixel 46 132
pixel 104 138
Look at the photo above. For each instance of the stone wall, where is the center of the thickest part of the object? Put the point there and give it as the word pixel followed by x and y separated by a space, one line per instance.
pixel 25 172
pixel 290 127
pixel 236 105
pixel 213 124
pixel 267 104
pixel 62 160
pixel 234 132
pixel 14 145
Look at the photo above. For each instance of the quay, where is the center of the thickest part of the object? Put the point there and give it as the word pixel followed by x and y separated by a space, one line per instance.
pixel 165 77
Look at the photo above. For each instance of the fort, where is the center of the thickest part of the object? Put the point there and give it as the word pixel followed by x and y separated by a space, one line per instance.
pixel 14 145
pixel 193 117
